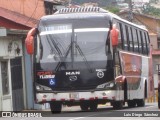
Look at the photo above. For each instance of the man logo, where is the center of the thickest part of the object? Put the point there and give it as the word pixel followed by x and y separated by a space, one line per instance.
pixel 73 73
pixel 72 78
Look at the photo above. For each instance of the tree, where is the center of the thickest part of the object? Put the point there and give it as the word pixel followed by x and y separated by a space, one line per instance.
pixel 113 9
pixel 101 3
pixel 150 10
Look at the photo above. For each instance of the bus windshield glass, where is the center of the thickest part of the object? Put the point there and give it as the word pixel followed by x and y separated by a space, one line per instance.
pixel 72 40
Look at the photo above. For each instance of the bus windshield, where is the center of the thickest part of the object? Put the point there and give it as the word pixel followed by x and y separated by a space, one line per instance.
pixel 72 41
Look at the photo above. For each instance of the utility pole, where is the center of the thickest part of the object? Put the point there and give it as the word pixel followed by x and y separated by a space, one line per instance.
pixel 69 2
pixel 130 11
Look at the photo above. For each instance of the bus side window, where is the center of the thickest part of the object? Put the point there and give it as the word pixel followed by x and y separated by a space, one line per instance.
pixel 147 43
pixel 139 41
pixel 125 45
pixel 127 35
pixel 132 35
pixel 144 44
pixel 135 40
pixel 131 44
pixel 122 36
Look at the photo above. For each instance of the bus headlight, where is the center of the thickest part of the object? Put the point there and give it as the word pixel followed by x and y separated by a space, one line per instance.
pixel 111 85
pixel 101 86
pixel 107 85
pixel 42 87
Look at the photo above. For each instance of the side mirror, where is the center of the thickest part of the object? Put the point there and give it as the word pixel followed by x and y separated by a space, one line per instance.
pixel 29 42
pixel 114 36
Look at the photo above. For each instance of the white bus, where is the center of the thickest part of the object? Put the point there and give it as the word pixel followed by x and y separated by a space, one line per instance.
pixel 159 95
pixel 76 62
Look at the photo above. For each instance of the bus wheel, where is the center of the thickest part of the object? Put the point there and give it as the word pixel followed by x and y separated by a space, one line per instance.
pixel 159 102
pixel 131 103
pixel 117 105
pixel 93 105
pixel 140 103
pixel 56 107
pixel 84 105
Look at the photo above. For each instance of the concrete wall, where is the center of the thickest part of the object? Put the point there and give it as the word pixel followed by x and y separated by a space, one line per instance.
pixel 9 45
pixel 156 59
pixel 8 51
pixel 153 40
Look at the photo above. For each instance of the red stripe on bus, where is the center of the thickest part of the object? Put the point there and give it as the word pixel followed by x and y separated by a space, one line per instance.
pixel 72 99
pixel 113 97
pixel 104 97
pixel 92 98
pixel 82 99
pixel 96 98
pixel 44 100
pixel 53 99
pixel 62 99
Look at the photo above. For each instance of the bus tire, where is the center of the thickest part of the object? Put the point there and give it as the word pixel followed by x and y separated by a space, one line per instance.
pixel 125 90
pixel 140 103
pixel 117 105
pixel 93 105
pixel 131 103
pixel 159 100
pixel 56 107
pixel 159 103
pixel 84 105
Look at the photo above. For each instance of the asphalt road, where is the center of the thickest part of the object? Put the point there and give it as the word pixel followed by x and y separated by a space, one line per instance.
pixel 150 111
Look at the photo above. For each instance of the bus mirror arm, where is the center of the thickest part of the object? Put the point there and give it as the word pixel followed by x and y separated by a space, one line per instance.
pixel 29 41
pixel 107 46
pixel 114 35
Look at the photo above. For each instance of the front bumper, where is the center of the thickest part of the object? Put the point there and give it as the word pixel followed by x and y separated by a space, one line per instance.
pixel 75 96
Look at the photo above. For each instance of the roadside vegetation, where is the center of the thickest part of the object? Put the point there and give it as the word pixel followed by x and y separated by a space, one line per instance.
pixel 112 9
pixel 150 10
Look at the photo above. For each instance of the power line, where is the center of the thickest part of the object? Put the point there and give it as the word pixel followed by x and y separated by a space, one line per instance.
pixel 32 13
pixel 12 5
pixel 130 11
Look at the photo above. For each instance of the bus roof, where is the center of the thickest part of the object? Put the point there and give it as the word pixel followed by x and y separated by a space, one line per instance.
pixel 88 12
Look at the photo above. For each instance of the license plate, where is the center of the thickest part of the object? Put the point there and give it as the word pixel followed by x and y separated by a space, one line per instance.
pixel 73 95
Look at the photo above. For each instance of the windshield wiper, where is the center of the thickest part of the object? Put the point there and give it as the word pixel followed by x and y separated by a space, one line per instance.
pixel 55 46
pixel 71 47
pixel 60 63
pixel 52 42
pixel 84 58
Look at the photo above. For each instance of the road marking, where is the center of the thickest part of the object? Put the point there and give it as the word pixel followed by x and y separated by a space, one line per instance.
pixel 77 118
pixel 149 106
pixel 87 116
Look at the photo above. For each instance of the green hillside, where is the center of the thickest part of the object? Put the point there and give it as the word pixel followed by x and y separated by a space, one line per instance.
pixel 101 3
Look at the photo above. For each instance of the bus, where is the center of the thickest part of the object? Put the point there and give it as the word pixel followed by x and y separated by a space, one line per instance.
pixel 159 94
pixel 88 56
